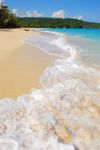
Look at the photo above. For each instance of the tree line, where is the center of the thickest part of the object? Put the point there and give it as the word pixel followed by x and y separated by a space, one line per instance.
pixel 9 20
pixel 55 23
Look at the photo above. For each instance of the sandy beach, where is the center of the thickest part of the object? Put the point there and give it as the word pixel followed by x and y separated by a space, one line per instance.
pixel 20 64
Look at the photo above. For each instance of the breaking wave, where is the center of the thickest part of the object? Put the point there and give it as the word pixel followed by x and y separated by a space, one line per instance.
pixel 64 114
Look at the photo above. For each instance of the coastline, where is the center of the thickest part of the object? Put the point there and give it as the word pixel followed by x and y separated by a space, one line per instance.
pixel 59 115
pixel 21 64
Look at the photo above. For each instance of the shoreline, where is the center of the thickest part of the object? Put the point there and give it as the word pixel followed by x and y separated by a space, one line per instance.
pixel 61 114
pixel 21 64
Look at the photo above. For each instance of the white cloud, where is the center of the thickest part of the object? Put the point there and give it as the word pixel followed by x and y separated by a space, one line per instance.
pixel 77 17
pixel 14 11
pixel 26 14
pixel 58 14
pixel 33 14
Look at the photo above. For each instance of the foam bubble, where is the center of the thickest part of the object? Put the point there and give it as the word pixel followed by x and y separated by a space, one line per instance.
pixel 62 113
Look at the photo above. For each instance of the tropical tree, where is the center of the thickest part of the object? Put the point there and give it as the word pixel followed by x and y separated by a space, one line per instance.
pixel 4 13
pixel 7 19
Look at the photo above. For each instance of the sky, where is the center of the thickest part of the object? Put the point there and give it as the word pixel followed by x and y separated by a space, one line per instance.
pixel 81 9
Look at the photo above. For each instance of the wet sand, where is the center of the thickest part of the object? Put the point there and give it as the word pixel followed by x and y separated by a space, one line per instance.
pixel 20 64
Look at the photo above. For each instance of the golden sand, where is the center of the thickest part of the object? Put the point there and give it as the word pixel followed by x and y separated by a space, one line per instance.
pixel 20 64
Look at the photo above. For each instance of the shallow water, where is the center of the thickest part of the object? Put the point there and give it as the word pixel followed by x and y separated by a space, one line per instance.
pixel 65 113
pixel 86 42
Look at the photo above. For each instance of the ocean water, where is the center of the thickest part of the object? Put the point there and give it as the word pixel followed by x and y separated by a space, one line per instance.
pixel 86 41
pixel 65 113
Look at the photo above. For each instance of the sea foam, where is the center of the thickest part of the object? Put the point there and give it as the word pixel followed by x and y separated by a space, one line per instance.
pixel 64 114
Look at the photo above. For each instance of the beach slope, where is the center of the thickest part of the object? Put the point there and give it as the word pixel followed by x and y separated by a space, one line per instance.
pixel 20 64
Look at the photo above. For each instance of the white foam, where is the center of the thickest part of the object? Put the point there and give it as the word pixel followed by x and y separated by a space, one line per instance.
pixel 54 44
pixel 62 113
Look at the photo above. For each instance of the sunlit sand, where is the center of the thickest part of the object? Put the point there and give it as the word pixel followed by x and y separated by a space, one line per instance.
pixel 20 64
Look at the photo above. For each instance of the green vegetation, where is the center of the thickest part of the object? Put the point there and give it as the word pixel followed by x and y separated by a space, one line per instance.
pixel 55 23
pixel 9 20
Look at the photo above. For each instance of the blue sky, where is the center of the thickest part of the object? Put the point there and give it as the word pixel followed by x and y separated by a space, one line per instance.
pixel 85 9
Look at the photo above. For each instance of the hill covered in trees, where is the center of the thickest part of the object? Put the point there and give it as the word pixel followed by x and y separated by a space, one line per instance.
pixel 9 20
pixel 55 23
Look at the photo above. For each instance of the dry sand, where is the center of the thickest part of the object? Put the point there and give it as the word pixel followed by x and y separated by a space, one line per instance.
pixel 20 64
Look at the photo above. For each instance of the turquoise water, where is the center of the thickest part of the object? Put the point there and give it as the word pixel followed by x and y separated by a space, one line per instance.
pixel 86 42
pixel 89 33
